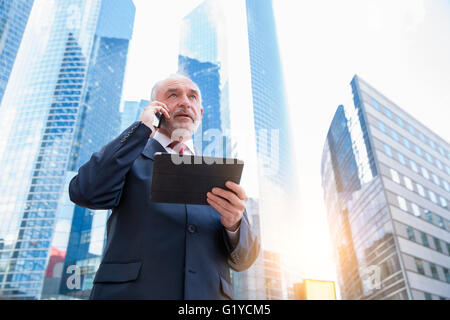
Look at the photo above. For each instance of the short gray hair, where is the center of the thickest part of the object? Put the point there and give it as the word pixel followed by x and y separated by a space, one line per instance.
pixel 172 76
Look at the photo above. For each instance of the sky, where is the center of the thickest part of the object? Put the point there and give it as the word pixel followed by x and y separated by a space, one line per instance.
pixel 401 47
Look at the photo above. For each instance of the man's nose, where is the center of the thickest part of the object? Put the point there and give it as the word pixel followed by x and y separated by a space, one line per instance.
pixel 187 104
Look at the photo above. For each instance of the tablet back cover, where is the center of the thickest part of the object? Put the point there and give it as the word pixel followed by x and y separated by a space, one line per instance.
pixel 187 178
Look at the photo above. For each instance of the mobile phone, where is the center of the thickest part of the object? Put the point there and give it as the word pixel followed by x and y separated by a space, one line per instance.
pixel 158 119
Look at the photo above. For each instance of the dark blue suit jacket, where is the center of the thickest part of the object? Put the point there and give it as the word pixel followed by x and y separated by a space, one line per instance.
pixel 155 250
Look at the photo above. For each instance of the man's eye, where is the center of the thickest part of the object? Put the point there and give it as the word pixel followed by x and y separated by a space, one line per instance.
pixel 173 95
pixel 194 96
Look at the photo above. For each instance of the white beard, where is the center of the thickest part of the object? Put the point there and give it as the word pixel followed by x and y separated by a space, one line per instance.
pixel 183 134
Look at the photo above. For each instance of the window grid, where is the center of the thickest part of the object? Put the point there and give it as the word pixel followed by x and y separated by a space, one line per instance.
pixel 406 142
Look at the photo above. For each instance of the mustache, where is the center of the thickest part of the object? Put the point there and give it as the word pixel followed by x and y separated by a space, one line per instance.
pixel 184 112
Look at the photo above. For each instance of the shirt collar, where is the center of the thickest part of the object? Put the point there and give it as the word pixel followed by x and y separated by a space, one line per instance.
pixel 165 141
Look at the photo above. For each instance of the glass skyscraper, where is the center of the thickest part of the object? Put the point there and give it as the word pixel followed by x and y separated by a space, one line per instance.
pixel 13 19
pixel 207 76
pixel 201 57
pixel 386 182
pixel 131 112
pixel 269 101
pixel 229 48
pixel 61 105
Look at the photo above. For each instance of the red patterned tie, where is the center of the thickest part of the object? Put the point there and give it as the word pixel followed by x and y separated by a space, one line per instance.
pixel 178 147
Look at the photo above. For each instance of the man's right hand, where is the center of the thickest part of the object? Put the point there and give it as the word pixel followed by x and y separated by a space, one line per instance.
pixel 148 114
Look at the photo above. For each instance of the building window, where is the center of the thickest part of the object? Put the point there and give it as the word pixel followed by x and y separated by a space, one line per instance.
pixel 413 165
pixel 432 144
pixel 437 244
pixel 400 122
pixel 418 150
pixel 388 150
pixel 446 185
pixel 435 179
pixel 441 222
pixel 428 216
pixel 410 232
pixel 447 275
pixel 424 237
pixel 419 266
pixel 422 137
pixel 408 183
pixel 415 209
pixel 448 248
pixel 395 135
pixel 406 143
pixel 401 158
pixel 388 113
pixel 425 172
pixel 411 129
pixel 434 272
pixel 428 296
pixel 443 202
pixel 429 157
pixel 402 203
pixel 381 126
pixel 375 104
pixel 420 189
pixel 441 150
pixel 394 175
pixel 439 164
pixel 432 196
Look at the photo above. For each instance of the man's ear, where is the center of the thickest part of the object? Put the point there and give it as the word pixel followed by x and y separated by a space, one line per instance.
pixel 201 111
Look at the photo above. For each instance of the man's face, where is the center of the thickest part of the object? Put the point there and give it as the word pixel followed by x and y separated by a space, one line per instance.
pixel 182 98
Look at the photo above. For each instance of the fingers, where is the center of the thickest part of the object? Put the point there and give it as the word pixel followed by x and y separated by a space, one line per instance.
pixel 160 107
pixel 221 202
pixel 230 221
pixel 230 196
pixel 163 110
pixel 237 189
pixel 229 206
pixel 229 216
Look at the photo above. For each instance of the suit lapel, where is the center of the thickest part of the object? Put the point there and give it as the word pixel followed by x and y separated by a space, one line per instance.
pixel 152 147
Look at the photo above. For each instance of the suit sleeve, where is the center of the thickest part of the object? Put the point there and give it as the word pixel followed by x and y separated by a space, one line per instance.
pixel 242 256
pixel 99 182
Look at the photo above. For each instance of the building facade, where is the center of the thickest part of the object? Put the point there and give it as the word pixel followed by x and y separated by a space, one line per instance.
pixel 13 20
pixel 311 289
pixel 229 48
pixel 386 182
pixel 131 112
pixel 61 106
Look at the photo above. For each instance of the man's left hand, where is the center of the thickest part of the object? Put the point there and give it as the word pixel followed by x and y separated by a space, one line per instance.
pixel 230 205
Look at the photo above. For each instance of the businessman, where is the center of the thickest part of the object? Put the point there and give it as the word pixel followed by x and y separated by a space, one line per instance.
pixel 163 250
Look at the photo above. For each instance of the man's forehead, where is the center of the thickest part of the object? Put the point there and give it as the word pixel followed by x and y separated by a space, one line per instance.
pixel 176 83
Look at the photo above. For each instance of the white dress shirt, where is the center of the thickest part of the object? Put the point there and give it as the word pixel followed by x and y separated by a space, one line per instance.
pixel 165 141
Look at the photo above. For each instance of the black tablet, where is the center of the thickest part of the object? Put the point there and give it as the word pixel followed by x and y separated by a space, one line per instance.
pixel 187 178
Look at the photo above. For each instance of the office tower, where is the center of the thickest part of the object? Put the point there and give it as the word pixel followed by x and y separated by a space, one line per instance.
pixel 62 104
pixel 311 289
pixel 201 58
pixel 386 178
pixel 207 76
pixel 131 112
pixel 13 20
pixel 273 276
pixel 230 49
